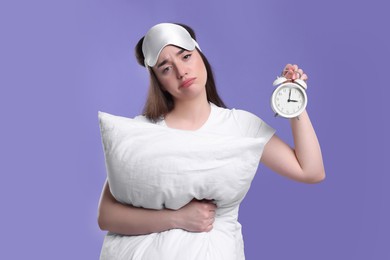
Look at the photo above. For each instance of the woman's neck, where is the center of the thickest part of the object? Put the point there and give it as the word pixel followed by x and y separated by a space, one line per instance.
pixel 188 115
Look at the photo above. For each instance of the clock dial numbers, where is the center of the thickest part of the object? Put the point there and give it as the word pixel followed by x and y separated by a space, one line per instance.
pixel 289 100
pixel 296 96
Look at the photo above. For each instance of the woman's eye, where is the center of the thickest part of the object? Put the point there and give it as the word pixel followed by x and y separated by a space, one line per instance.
pixel 165 70
pixel 187 56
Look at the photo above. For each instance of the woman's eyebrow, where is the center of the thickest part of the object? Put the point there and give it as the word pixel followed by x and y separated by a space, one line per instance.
pixel 162 63
pixel 180 52
pixel 165 61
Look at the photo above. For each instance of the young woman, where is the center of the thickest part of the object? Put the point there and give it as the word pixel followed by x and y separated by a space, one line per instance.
pixel 182 95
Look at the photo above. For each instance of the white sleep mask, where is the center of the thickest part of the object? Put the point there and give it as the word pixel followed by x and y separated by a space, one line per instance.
pixel 164 34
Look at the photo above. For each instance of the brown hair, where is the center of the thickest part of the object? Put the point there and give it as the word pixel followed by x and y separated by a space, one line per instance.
pixel 160 102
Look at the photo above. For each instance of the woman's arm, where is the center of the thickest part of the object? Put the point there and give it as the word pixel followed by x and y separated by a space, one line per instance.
pixel 196 216
pixel 304 163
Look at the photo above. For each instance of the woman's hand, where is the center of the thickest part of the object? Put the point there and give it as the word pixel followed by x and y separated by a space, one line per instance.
pixel 303 162
pixel 196 216
pixel 293 72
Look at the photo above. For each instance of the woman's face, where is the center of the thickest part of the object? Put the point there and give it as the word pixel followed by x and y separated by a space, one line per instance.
pixel 182 73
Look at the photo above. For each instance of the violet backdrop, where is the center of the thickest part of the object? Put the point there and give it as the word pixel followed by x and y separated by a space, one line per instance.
pixel 62 61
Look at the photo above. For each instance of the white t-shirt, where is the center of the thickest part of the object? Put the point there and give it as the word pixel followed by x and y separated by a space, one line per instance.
pixel 224 241
pixel 234 122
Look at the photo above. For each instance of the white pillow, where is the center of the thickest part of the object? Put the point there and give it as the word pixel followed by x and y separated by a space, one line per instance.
pixel 157 167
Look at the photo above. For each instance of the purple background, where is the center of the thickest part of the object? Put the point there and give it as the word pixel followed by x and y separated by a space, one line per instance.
pixel 62 61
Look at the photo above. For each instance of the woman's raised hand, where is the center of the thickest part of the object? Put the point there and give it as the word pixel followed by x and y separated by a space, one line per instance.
pixel 293 72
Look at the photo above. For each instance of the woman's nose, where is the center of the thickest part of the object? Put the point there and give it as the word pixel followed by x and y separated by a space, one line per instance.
pixel 181 71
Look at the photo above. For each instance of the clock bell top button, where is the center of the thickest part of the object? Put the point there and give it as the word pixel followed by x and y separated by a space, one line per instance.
pixel 279 80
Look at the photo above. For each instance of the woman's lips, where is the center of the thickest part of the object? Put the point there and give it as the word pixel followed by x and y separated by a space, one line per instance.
pixel 187 83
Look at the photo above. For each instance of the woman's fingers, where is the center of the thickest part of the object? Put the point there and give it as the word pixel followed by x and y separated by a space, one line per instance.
pixel 293 72
pixel 198 215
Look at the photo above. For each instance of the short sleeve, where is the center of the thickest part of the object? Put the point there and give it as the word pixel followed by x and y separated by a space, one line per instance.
pixel 252 126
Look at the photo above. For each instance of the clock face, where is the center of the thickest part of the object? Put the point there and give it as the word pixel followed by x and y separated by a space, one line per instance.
pixel 289 100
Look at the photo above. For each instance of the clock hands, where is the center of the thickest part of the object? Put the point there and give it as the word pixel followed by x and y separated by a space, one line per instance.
pixel 289 98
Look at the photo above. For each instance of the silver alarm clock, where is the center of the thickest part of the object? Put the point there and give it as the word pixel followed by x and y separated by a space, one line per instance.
pixel 289 99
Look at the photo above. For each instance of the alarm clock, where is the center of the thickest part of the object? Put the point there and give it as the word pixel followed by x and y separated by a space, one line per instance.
pixel 289 99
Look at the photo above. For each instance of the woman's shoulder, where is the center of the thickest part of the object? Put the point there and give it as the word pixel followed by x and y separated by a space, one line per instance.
pixel 239 122
pixel 144 119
